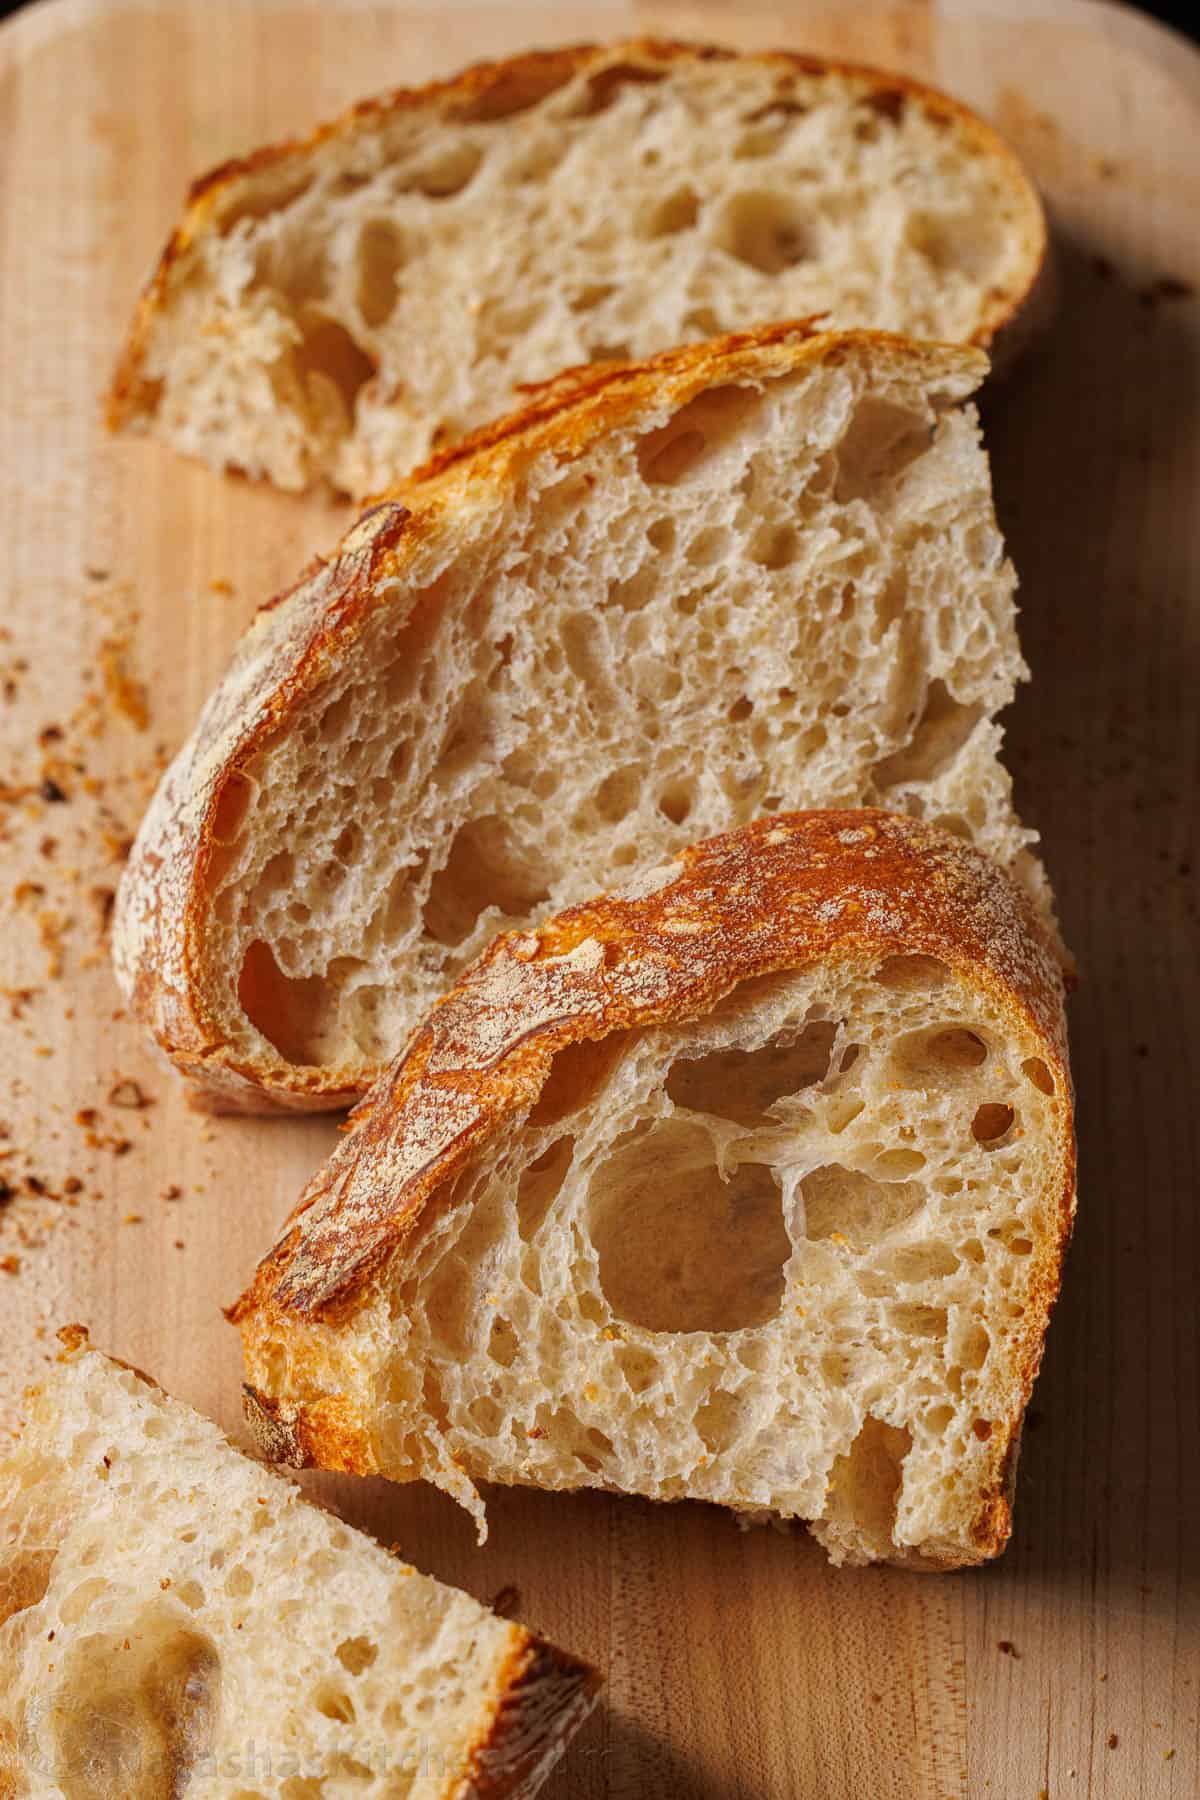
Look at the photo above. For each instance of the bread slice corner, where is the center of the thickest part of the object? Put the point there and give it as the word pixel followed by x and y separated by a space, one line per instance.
pixel 174 1614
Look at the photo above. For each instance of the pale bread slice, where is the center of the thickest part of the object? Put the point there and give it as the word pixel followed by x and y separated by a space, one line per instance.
pixel 749 1184
pixel 750 575
pixel 175 1618
pixel 340 306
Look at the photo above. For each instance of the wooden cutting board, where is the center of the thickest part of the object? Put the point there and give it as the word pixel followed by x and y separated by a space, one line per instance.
pixel 738 1664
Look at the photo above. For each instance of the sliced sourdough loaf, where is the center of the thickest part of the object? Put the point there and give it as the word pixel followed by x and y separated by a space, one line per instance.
pixel 749 1184
pixel 341 306
pixel 176 1619
pixel 750 575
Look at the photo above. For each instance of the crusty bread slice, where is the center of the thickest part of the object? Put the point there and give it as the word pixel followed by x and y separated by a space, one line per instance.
pixel 341 306
pixel 749 1184
pixel 748 575
pixel 176 1618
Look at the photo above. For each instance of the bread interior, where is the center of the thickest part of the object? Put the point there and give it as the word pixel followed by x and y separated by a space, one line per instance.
pixel 783 593
pixel 784 1258
pixel 348 309
pixel 174 1619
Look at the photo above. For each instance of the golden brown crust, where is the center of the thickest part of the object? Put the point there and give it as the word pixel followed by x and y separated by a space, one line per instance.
pixel 851 886
pixel 130 396
pixel 158 929
pixel 328 1427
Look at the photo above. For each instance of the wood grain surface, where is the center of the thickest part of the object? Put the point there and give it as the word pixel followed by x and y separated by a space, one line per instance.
pixel 739 1667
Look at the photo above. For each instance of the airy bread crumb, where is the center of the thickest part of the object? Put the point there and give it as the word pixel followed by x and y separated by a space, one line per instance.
pixel 747 576
pixel 339 308
pixel 174 1617
pixel 750 1186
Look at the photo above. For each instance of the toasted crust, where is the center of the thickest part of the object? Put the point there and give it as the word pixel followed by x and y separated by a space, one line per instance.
pixel 299 636
pixel 838 887
pixel 543 1696
pixel 131 397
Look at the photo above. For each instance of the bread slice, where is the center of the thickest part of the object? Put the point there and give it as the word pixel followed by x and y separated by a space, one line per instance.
pixel 176 1618
pixel 748 1184
pixel 341 306
pixel 749 575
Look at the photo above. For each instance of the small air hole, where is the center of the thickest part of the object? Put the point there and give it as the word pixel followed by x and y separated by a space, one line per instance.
pixel 894 1165
pixel 483 869
pixel 675 801
pixel 958 1049
pixel 232 806
pixel 774 546
pixel 486 1415
pixel 912 974
pixel 514 89
pixel 697 432
pixel 939 1058
pixel 356 1654
pixel 1035 1070
pixel 502 1343
pixel 669 462
pixel 380 258
pixel 618 794
pixel 537 1189
pixel 765 231
pixel 708 546
pixel 284 1008
pixel 675 213
pixel 592 296
pixel 991 1123
pixel 331 366
pixel 334 1703
pixel 702 321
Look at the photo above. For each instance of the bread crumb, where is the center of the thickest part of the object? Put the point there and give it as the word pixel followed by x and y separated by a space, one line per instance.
pixel 127 1093
pixel 127 696
pixel 52 927
pixel 104 900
